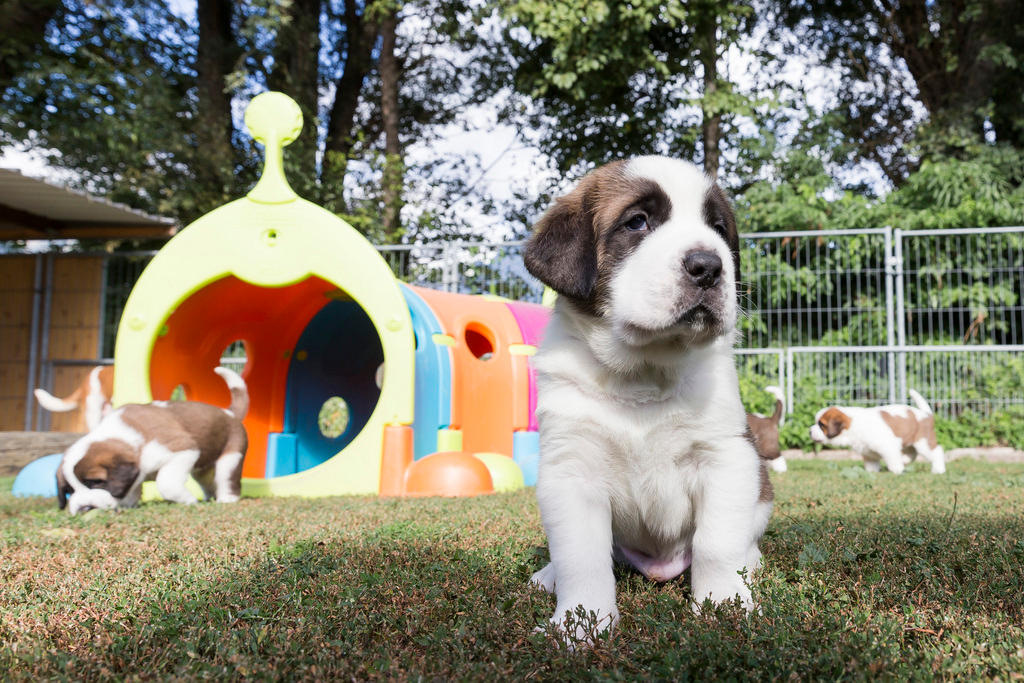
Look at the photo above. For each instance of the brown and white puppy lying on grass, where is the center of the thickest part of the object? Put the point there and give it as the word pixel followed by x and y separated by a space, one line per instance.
pixel 765 429
pixel 645 457
pixel 166 441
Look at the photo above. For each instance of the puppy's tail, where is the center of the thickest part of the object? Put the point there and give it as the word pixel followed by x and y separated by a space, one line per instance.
pixel 919 401
pixel 58 405
pixel 780 405
pixel 239 392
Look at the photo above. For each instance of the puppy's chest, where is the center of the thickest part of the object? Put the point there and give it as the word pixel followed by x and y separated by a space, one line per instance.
pixel 659 471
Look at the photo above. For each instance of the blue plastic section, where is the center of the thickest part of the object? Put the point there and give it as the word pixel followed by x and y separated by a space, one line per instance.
pixel 39 477
pixel 433 377
pixel 337 355
pixel 282 454
pixel 526 453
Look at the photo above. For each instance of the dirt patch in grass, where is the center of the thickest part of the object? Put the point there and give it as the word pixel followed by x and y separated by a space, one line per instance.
pixel 866 575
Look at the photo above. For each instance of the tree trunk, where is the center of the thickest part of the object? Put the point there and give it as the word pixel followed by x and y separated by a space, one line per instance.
pixel 711 128
pixel 214 160
pixel 360 35
pixel 296 72
pixel 393 165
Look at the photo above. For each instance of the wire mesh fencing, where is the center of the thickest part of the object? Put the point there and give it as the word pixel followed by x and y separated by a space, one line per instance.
pixel 856 317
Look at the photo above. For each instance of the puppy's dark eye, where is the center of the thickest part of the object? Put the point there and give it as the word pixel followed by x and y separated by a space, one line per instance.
pixel 93 483
pixel 636 223
pixel 719 227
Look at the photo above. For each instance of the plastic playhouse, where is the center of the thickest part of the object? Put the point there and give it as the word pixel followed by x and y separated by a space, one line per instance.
pixel 439 392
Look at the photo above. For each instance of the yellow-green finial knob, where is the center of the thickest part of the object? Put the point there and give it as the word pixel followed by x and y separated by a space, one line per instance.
pixel 275 120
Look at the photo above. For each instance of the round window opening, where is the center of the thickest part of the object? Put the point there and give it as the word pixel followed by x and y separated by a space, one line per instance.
pixel 333 418
pixel 479 344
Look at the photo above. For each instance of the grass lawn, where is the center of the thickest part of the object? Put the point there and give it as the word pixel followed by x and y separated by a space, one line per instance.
pixel 866 576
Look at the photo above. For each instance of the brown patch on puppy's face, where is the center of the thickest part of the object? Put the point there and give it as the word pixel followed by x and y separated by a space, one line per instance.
pixel 579 241
pixel 833 422
pixel 109 465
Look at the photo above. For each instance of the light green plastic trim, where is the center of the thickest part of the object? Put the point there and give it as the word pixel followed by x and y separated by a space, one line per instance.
pixel 273 238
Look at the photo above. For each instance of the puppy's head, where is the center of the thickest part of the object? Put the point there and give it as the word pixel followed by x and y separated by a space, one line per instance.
pixel 102 478
pixel 650 245
pixel 830 425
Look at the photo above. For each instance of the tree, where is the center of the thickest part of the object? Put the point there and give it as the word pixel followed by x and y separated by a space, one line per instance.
pixel 960 57
pixel 141 103
pixel 609 80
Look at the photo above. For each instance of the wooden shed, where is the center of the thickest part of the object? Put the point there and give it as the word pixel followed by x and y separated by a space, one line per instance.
pixel 52 313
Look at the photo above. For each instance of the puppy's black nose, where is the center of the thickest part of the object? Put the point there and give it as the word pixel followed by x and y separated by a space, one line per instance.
pixel 704 268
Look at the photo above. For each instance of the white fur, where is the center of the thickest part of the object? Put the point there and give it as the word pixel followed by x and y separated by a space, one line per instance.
pixel 52 403
pixel 870 436
pixel 641 428
pixel 96 402
pixel 231 378
pixel 223 476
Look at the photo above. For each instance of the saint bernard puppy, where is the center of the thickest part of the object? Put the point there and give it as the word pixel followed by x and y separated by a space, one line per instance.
pixel 163 440
pixel 765 429
pixel 895 435
pixel 94 393
pixel 645 454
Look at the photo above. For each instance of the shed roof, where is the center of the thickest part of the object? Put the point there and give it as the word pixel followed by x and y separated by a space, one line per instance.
pixel 31 208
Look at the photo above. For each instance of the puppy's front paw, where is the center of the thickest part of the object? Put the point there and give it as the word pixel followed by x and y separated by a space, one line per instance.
pixel 228 498
pixel 545 578
pixel 724 594
pixel 581 627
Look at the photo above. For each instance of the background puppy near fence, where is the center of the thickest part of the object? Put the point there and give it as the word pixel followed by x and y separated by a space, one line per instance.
pixel 645 456
pixel 165 441
pixel 765 429
pixel 894 434
pixel 93 395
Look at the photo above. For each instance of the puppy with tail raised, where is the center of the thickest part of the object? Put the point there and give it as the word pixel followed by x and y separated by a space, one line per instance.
pixel 165 441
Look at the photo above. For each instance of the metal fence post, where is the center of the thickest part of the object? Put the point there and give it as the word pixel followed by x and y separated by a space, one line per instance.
pixel 891 267
pixel 901 315
pixel 33 346
pixel 45 366
pixel 789 379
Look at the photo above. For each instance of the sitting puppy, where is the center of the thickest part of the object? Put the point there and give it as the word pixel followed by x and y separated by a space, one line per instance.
pixel 164 440
pixel 895 435
pixel 765 429
pixel 645 457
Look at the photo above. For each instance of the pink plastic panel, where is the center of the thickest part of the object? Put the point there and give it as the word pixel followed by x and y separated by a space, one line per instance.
pixel 532 319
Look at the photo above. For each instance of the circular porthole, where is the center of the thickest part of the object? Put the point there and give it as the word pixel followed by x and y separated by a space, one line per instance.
pixel 479 342
pixel 333 417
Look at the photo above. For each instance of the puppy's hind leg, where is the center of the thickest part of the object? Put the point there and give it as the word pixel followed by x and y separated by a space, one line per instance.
pixel 936 456
pixel 227 477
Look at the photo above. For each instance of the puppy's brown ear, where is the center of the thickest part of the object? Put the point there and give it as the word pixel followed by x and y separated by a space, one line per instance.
pixel 63 489
pixel 835 425
pixel 562 252
pixel 120 476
